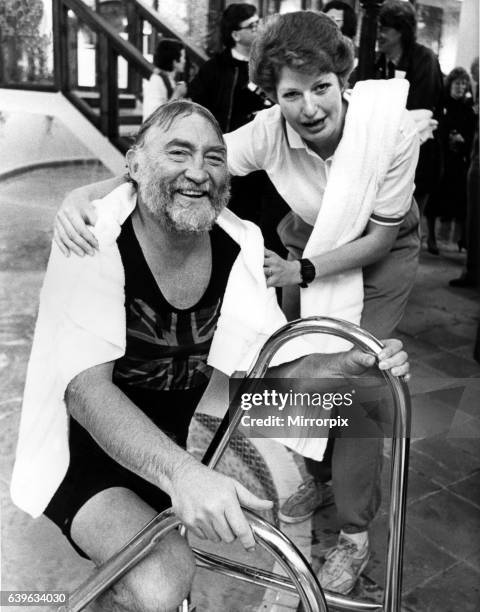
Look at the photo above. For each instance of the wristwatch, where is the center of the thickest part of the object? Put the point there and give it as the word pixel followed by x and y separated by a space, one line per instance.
pixel 307 272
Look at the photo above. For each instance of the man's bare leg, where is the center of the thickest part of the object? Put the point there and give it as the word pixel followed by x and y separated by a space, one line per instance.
pixel 104 524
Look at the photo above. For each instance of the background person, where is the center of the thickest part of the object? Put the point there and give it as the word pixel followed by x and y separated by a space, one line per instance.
pixel 222 83
pixel 470 276
pixel 457 126
pixel 164 83
pixel 224 87
pixel 344 16
pixel 401 56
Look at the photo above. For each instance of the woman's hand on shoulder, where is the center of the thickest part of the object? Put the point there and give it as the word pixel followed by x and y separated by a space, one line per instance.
pixel 71 231
pixel 280 272
pixel 77 213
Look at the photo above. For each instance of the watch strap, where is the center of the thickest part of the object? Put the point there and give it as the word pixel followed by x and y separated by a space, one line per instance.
pixel 307 272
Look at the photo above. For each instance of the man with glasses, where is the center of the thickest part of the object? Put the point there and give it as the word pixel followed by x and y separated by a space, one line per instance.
pixel 222 84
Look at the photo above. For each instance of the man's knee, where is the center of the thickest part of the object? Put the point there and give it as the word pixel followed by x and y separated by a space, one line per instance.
pixel 158 583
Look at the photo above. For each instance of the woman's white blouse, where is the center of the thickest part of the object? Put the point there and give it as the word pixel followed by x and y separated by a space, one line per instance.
pixel 300 175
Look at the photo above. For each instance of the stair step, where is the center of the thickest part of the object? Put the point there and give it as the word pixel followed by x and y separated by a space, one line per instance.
pixel 130 119
pixel 92 98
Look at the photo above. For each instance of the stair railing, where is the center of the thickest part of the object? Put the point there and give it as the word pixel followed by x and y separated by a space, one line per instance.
pixel 110 47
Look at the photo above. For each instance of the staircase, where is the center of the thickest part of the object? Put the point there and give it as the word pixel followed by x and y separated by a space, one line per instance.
pixel 112 103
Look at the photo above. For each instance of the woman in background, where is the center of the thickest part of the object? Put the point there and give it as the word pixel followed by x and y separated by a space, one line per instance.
pixel 164 84
pixel 456 132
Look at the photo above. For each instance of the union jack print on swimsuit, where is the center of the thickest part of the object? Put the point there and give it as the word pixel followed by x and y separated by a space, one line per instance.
pixel 167 350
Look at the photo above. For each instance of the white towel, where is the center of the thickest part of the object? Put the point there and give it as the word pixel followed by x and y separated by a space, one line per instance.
pixel 80 324
pixel 250 313
pixel 360 164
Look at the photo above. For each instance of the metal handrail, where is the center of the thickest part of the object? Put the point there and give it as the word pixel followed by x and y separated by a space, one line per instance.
pixel 149 14
pixel 285 552
pixel 100 26
pixel 304 579
pixel 400 444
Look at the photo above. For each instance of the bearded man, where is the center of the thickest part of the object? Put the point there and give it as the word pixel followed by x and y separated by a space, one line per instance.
pixel 122 341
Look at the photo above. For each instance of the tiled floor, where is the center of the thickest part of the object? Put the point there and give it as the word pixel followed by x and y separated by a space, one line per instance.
pixel 442 556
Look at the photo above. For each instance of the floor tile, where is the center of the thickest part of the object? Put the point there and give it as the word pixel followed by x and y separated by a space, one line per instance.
pixel 457 336
pixel 469 488
pixel 456 367
pixel 422 558
pixel 449 522
pixel 455 590
pixel 441 460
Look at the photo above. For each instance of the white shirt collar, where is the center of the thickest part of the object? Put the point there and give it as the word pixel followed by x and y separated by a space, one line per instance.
pixel 238 56
pixel 295 141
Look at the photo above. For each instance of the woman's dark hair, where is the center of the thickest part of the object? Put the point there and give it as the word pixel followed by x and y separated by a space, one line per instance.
pixel 456 74
pixel 232 17
pixel 168 51
pixel 400 16
pixel 306 41
pixel 349 27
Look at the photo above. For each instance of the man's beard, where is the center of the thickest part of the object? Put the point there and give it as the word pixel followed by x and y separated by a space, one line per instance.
pixel 159 199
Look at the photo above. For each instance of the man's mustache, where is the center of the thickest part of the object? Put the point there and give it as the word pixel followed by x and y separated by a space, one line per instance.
pixel 186 186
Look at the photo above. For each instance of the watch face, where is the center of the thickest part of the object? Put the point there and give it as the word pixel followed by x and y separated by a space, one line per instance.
pixel 307 270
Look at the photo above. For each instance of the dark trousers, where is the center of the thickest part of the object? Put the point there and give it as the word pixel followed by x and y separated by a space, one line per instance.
pixel 355 464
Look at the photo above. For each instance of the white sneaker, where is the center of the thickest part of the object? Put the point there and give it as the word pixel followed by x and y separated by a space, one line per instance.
pixel 343 565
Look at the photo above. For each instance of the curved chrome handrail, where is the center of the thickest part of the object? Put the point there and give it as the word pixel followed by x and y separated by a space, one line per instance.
pixel 268 536
pixel 271 538
pixel 400 443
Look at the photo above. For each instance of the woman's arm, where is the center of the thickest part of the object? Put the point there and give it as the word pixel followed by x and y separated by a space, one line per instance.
pixel 76 213
pixel 371 247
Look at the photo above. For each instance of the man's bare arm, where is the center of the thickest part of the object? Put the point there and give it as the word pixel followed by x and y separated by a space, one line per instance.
pixel 206 501
pixel 336 365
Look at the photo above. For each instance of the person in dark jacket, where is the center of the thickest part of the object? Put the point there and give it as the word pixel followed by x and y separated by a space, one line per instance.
pixel 222 85
pixel 343 15
pixel 402 57
pixel 457 129
pixel 470 276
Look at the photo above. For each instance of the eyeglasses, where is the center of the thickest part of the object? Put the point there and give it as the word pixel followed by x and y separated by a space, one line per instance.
pixel 252 26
